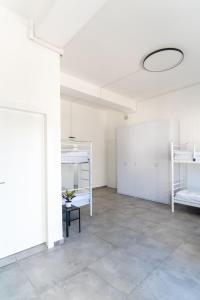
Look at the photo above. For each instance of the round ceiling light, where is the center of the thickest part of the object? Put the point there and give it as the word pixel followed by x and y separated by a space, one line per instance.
pixel 163 59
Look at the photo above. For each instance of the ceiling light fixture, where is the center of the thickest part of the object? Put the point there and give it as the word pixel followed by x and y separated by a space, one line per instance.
pixel 163 59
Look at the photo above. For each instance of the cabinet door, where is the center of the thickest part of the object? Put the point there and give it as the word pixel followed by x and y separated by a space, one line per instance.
pixel 145 186
pixel 152 161
pixel 162 161
pixel 125 161
pixel 143 160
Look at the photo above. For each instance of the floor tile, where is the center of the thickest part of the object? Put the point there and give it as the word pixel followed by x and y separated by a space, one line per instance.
pixel 167 284
pixel 142 294
pixel 185 260
pixel 98 224
pixel 52 267
pixel 188 226
pixel 150 250
pixel 164 234
pixel 122 270
pixel 7 260
pixel 118 235
pixel 84 286
pixel 129 249
pixel 14 285
pixel 137 224
pixel 155 216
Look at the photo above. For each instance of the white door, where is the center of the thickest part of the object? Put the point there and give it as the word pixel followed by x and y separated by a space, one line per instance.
pixel 22 188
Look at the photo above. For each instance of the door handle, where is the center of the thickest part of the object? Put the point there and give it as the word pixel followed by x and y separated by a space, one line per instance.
pixel 2 182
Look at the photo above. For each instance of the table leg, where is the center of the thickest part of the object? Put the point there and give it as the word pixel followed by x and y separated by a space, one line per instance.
pixel 79 220
pixel 67 224
pixel 69 218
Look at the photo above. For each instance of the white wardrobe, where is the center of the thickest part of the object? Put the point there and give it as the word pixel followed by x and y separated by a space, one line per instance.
pixel 143 168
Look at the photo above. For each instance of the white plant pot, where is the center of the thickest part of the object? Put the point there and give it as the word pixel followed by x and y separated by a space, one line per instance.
pixel 68 204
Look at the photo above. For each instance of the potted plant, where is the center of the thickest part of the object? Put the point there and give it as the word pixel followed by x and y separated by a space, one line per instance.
pixel 68 196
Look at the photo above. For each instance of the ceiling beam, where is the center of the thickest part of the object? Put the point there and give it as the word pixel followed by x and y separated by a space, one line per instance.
pixel 65 19
pixel 85 91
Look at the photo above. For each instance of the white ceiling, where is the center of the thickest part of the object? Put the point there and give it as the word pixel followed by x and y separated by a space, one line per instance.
pixel 56 21
pixel 109 49
pixel 31 9
pixel 105 41
pixel 66 18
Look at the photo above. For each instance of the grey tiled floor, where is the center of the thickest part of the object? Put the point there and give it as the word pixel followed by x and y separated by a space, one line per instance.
pixel 130 249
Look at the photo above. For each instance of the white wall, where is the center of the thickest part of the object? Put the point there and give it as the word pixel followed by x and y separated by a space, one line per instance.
pixel 30 80
pixel 182 105
pixel 88 123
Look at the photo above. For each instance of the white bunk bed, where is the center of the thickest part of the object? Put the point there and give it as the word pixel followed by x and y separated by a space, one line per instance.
pixel 181 156
pixel 76 156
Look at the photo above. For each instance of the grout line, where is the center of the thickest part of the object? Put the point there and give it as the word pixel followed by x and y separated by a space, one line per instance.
pixel 27 277
pixel 108 283
pixel 61 281
pixel 156 268
pixel 99 237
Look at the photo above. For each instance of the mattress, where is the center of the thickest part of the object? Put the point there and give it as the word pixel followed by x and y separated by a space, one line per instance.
pixel 197 156
pixel 186 156
pixel 183 155
pixel 74 157
pixel 80 199
pixel 187 195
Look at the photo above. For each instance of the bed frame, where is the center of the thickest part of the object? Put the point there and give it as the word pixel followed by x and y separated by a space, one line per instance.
pixel 179 185
pixel 79 153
